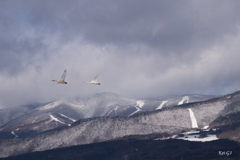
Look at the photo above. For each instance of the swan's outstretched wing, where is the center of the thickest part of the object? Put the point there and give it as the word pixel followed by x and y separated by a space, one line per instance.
pixel 95 79
pixel 64 75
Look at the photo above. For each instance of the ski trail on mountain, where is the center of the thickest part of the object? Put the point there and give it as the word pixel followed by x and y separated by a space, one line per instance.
pixel 135 111
pixel 68 117
pixel 55 119
pixel 183 99
pixel 193 118
pixel 161 105
pixel 14 134
pixel 140 104
pixel 34 120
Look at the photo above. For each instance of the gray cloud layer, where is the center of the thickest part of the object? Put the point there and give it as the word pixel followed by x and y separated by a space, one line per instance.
pixel 141 48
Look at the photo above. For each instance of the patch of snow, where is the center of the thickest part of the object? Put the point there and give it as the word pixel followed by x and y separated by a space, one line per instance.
pixel 165 138
pixel 193 118
pixel 161 105
pixel 17 129
pixel 228 97
pixel 55 119
pixel 174 136
pixel 196 138
pixel 109 112
pixel 68 117
pixel 49 121
pixel 214 129
pixel 140 103
pixel 183 99
pixel 14 134
pixel 191 132
pixel 115 109
pixel 138 109
pixel 34 120
pixel 206 127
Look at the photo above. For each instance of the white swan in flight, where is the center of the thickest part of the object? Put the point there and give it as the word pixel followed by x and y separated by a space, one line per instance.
pixel 62 80
pixel 94 81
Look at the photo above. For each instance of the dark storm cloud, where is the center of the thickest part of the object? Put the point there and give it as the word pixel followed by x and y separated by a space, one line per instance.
pixel 167 25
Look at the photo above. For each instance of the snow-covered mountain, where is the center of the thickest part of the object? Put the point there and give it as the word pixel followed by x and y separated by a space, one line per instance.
pixel 9 113
pixel 169 120
pixel 36 118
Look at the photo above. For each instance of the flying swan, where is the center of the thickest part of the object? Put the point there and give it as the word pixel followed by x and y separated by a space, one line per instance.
pixel 62 80
pixel 94 81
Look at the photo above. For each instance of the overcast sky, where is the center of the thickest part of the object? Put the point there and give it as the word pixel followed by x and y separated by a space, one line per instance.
pixel 141 48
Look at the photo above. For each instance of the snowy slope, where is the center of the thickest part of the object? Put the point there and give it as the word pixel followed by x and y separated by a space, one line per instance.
pixel 172 101
pixel 193 118
pixel 171 120
pixel 9 113
pixel 67 111
pixel 37 119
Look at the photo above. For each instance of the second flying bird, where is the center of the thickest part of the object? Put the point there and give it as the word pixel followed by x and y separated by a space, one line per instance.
pixel 94 81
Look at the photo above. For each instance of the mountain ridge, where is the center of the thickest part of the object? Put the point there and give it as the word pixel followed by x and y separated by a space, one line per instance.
pixel 172 120
pixel 64 112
